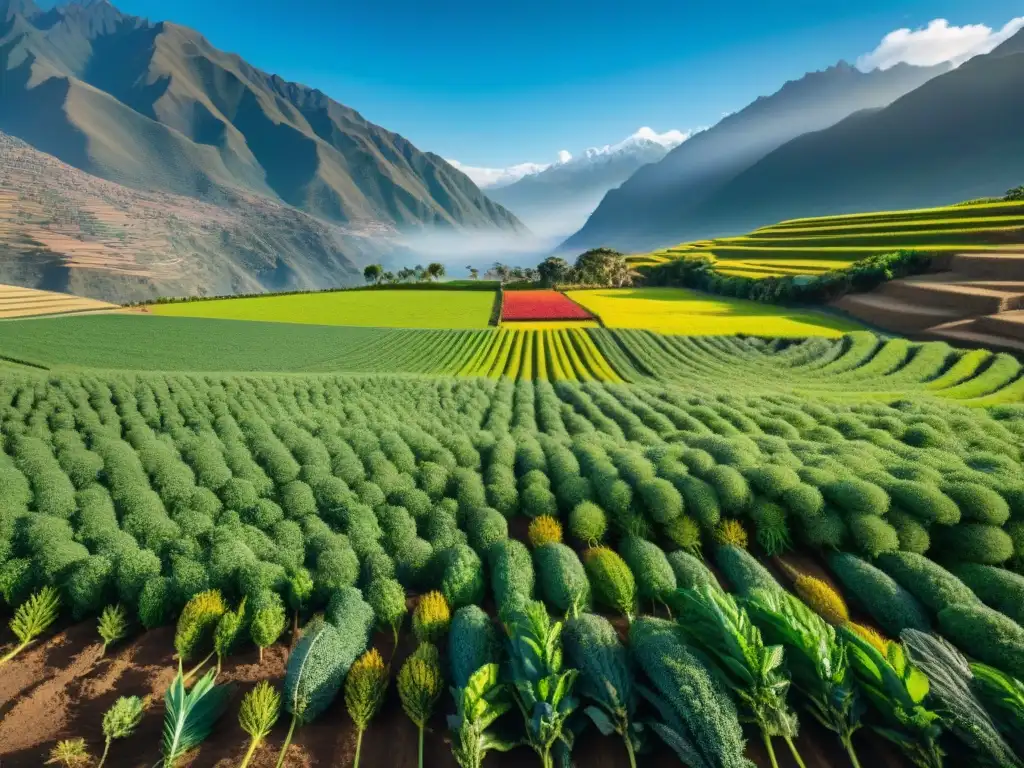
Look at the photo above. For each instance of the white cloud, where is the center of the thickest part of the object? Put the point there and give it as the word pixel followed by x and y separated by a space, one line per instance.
pixel 495 178
pixel 937 43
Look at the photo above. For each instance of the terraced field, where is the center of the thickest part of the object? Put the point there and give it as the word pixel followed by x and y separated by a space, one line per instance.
pixel 27 302
pixel 816 245
pixel 555 355
pixel 367 308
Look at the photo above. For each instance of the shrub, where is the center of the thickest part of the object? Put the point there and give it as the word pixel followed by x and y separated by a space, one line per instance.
pixel 561 577
pixel 112 626
pixel 462 582
pixel 431 618
pixel 198 621
pixel 684 532
pixel 978 503
pixel 365 688
pixel 912 534
pixel 878 594
pixel 420 684
pixel 772 532
pixel 661 499
pixel 975 543
pixel 414 563
pixel 315 671
pixel 857 497
pixel 134 569
pixel 731 488
pixel 872 535
pixel 485 527
pixel 472 643
pixel 742 570
pixel 690 571
pixel 924 501
pixel 996 587
pixel 536 500
pixel 588 523
pixel 772 481
pixel 987 635
pixel 928 581
pixel 821 598
pixel 512 578
pixel 612 580
pixel 655 579
pixel 89 586
pixel 268 620
pixel 387 598
pixel 155 602
pixel 701 500
pixel 827 531
pixel 544 530
pixel 731 533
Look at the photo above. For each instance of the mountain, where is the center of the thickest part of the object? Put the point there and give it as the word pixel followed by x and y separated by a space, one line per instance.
pixel 64 230
pixel 957 137
pixel 657 205
pixel 557 199
pixel 156 107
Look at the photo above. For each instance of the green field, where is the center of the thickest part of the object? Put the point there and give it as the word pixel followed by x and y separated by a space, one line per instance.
pixel 813 246
pixel 377 308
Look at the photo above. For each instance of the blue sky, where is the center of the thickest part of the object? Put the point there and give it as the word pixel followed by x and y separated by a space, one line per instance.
pixel 500 83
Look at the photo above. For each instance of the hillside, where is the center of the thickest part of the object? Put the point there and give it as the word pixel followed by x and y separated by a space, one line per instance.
pixel 659 204
pixel 557 200
pixel 155 106
pixel 957 137
pixel 65 230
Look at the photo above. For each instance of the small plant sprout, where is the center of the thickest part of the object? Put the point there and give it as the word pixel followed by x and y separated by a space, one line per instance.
pixel 268 623
pixel 196 626
pixel 420 684
pixel 365 687
pixel 431 618
pixel 260 709
pixel 190 715
pixel 300 589
pixel 71 753
pixel 112 625
pixel 120 722
pixel 32 618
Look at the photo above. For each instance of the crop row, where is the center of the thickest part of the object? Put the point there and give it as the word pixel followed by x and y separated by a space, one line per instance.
pixel 556 355
pixel 149 491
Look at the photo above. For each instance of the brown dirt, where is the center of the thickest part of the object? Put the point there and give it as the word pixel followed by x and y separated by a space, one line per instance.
pixel 61 687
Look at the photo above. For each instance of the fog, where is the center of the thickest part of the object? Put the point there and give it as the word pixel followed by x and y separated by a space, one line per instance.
pixel 458 250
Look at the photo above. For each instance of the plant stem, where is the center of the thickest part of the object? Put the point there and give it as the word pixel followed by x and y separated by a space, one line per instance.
pixel 197 667
pixel 768 745
pixel 359 747
pixel 15 652
pixel 629 750
pixel 261 654
pixel 848 743
pixel 249 752
pixel 796 755
pixel 103 757
pixel 421 747
pixel 287 741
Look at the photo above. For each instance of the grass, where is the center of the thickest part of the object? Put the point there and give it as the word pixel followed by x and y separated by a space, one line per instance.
pixel 685 312
pixel 378 308
pixel 813 246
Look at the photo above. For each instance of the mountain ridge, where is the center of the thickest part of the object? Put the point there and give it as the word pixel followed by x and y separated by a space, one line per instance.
pixel 656 206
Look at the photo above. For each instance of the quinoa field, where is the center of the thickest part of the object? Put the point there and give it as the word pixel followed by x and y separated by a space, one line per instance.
pixel 228 543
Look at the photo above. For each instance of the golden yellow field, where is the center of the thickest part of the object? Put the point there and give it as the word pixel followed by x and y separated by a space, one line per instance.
pixel 680 311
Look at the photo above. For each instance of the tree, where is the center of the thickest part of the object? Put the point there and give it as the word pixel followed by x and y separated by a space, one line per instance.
pixel 389 277
pixel 553 270
pixel 1017 193
pixel 474 273
pixel 419 273
pixel 595 267
pixel 404 274
pixel 373 274
pixel 499 271
pixel 435 271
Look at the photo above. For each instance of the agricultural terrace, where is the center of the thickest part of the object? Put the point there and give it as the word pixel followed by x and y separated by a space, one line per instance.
pixel 685 312
pixel 816 245
pixel 16 301
pixel 541 305
pixel 377 308
pixel 841 535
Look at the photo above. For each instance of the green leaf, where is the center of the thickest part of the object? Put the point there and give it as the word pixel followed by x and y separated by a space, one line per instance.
pixel 190 716
pixel 601 720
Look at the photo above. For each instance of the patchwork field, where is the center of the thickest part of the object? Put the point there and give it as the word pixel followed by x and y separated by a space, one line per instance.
pixel 376 308
pixel 816 245
pixel 540 305
pixel 680 311
pixel 27 302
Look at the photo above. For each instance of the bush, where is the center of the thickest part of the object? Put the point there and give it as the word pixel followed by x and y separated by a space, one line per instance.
pixel 924 501
pixel 544 530
pixel 996 587
pixel 413 563
pixel 978 503
pixel 268 620
pixel 857 497
pixel 512 578
pixel 872 535
pixel 462 582
pixel 155 603
pixel 336 566
pixel 743 572
pixel 773 481
pixel 690 571
pixel 684 532
pixel 771 529
pixel 986 635
pixel 731 488
pixel 486 527
pixel 536 500
pixel 654 576
pixel 661 499
pixel 431 618
pixel 878 594
pixel 561 577
pixel 89 586
pixel 612 580
pixel 929 582
pixel 472 643
pixel 387 598
pixel 588 523
pixel 975 543
pixel 701 501
pixel 827 531
pixel 134 569
pixel 912 534
pixel 197 622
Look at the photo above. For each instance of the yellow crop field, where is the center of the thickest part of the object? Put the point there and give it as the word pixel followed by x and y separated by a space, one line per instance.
pixel 556 354
pixel 685 312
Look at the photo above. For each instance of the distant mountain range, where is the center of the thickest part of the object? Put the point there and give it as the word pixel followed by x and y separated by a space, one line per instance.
pixel 557 199
pixel 666 202
pixel 155 106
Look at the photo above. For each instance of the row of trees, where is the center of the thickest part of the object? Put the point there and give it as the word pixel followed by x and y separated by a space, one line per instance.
pixel 375 274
